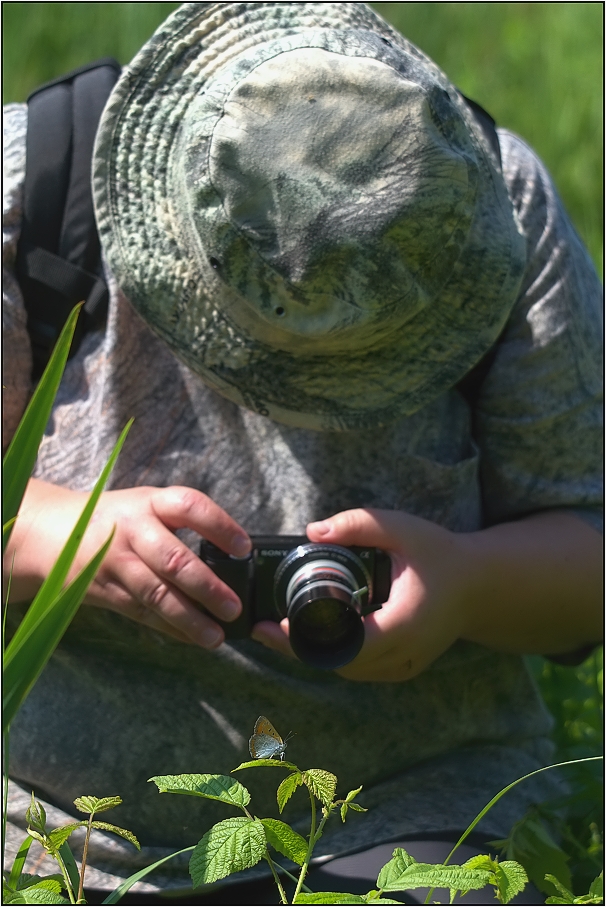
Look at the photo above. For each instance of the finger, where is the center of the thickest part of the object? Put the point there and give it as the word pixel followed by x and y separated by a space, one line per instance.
pixel 273 636
pixel 180 507
pixel 362 526
pixel 171 561
pixel 150 594
pixel 114 597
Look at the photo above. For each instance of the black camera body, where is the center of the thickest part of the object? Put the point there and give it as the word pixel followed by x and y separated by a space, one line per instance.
pixel 323 589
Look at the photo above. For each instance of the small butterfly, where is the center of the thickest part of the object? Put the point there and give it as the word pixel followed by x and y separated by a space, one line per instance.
pixel 265 742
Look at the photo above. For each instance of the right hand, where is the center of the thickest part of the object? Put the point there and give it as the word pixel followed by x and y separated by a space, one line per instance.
pixel 148 574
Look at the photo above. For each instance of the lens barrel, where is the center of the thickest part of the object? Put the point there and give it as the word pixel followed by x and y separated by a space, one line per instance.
pixel 322 589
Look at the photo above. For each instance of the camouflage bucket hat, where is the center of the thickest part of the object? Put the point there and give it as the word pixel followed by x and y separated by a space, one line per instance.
pixel 301 205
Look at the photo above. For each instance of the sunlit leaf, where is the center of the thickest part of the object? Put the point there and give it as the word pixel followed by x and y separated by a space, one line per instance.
pixel 211 787
pixel 322 784
pixel 229 846
pixel 96 804
pixel 282 837
pixel 287 789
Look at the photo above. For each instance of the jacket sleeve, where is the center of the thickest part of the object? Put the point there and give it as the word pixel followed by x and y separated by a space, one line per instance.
pixel 16 347
pixel 538 418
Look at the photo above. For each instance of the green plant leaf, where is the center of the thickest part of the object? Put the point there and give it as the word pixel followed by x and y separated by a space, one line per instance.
pixel 229 846
pixel 530 843
pixel 33 895
pixel 20 457
pixel 116 830
pixel 349 804
pixel 510 879
pixel 92 805
pixel 58 836
pixel 287 789
pixel 25 661
pixel 211 787
pixel 429 875
pixel 70 865
pixel 596 889
pixel 322 784
pixel 397 866
pixel 285 840
pixel 271 763
pixel 128 883
pixel 19 862
pixel 332 897
pixel 35 815
pixel 374 897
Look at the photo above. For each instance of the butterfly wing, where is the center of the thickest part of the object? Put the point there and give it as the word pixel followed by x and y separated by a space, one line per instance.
pixel 265 742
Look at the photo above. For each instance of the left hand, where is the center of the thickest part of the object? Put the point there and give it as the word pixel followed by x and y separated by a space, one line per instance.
pixel 424 614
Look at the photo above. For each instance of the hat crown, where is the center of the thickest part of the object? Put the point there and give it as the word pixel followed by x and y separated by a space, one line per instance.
pixel 332 193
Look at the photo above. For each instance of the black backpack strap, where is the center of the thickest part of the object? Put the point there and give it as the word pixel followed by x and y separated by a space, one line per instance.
pixel 58 255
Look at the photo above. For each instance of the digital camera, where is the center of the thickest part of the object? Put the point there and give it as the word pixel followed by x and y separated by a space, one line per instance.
pixel 324 591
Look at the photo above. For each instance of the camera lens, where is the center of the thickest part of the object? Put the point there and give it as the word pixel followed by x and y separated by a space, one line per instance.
pixel 321 589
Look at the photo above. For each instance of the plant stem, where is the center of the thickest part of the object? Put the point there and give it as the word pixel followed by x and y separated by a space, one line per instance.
pixel 283 898
pixel 89 828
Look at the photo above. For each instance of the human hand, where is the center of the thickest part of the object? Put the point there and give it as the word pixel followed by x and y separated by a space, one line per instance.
pixel 425 611
pixel 148 574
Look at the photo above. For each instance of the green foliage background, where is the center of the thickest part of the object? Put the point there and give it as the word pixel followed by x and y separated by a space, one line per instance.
pixel 536 67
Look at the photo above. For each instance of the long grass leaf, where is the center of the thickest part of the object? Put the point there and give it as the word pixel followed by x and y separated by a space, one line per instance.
pixel 17 867
pixel 128 883
pixel 501 793
pixel 51 587
pixel 21 455
pixel 29 659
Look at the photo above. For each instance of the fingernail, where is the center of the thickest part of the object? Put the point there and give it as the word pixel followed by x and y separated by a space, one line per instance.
pixel 323 527
pixel 211 637
pixel 229 610
pixel 240 545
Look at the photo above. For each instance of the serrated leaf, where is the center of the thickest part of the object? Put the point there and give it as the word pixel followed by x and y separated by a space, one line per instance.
pixel 271 763
pixel 375 897
pixel 211 787
pixel 510 879
pixel 287 789
pixel 229 846
pixel 26 880
pixel 397 866
pixel 321 783
pixel 596 889
pixel 116 830
pixel 481 861
pixel 428 875
pixel 349 804
pixel 59 835
pixel 96 804
pixel 35 895
pixel 285 840
pixel 42 839
pixel 329 897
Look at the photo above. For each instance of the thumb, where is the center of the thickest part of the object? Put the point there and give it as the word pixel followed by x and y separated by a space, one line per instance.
pixel 363 526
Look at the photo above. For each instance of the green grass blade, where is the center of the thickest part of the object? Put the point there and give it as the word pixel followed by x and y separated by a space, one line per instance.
pixel 121 890
pixel 28 660
pixel 498 796
pixel 17 867
pixel 21 455
pixel 50 589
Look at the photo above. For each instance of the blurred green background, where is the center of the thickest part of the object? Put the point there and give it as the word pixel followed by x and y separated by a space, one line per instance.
pixel 536 67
